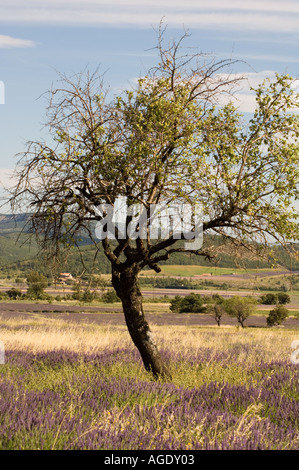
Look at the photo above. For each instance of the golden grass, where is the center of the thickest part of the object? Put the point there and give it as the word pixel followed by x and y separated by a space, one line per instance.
pixel 54 334
pixel 44 334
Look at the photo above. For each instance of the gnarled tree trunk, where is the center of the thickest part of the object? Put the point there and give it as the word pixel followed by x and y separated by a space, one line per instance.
pixel 126 286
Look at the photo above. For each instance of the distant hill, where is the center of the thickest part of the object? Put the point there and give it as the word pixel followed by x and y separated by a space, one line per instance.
pixel 17 254
pixel 12 223
pixel 13 245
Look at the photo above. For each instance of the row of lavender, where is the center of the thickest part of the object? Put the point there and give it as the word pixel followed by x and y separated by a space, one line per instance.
pixel 63 400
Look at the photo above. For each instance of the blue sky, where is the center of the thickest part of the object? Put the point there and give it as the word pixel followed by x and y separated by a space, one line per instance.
pixel 40 37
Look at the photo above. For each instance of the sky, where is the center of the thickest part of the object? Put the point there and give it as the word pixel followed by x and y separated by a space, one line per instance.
pixel 41 38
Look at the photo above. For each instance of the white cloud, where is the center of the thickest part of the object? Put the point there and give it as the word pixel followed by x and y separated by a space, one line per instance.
pixel 245 15
pixel 9 42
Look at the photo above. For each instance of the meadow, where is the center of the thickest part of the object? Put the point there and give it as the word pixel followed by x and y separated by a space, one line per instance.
pixel 193 270
pixel 75 382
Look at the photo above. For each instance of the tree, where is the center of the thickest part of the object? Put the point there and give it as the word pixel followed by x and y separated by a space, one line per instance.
pixel 268 299
pixel 37 283
pixel 168 141
pixel 273 299
pixel 239 307
pixel 217 309
pixel 283 298
pixel 277 316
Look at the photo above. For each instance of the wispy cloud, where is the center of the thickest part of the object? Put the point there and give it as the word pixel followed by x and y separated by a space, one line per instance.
pixel 9 42
pixel 272 58
pixel 245 15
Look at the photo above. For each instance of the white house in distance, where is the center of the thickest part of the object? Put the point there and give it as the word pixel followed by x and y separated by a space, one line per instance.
pixel 63 277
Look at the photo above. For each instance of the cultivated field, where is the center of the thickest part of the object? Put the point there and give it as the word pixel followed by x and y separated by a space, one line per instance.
pixel 73 380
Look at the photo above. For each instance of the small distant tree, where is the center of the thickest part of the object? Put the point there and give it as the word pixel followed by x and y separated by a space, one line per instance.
pixel 88 295
pixel 277 316
pixel 239 307
pixel 37 283
pixel 283 298
pixel 96 282
pixel 217 310
pixel 77 291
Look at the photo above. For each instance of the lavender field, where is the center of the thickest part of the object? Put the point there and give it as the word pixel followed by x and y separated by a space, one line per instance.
pixel 69 383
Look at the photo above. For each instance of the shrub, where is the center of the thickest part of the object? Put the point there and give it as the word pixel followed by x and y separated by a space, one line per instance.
pixel 110 297
pixel 37 283
pixel 14 293
pixel 88 296
pixel 175 304
pixel 277 316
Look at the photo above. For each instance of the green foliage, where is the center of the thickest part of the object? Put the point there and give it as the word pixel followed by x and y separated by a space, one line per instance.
pixel 239 307
pixel 283 298
pixel 269 299
pixel 110 297
pixel 13 247
pixel 167 282
pixel 175 304
pixel 216 307
pixel 192 303
pixel 14 293
pixel 273 299
pixel 37 283
pixel 88 295
pixel 83 293
pixel 277 316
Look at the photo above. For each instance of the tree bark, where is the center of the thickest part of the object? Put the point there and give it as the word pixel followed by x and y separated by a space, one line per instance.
pixel 126 286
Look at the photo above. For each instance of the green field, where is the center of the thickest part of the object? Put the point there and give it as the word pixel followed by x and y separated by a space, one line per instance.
pixel 192 270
